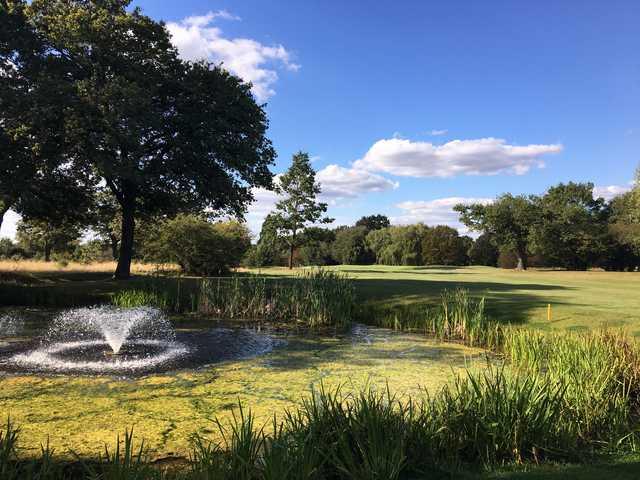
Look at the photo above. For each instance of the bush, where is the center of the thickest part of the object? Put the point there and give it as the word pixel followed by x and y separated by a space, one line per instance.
pixel 198 246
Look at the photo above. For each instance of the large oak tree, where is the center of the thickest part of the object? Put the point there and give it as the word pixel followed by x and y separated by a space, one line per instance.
pixel 162 134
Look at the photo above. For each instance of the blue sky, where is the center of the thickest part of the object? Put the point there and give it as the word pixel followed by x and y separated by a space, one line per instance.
pixel 406 106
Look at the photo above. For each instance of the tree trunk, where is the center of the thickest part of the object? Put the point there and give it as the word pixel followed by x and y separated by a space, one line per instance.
pixel 47 252
pixel 291 247
pixel 123 270
pixel 114 246
pixel 291 256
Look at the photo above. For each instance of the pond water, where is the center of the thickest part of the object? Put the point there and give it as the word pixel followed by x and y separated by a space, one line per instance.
pixel 224 364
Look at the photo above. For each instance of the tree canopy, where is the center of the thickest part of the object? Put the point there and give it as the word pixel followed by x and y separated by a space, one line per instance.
pixel 509 219
pixel 164 135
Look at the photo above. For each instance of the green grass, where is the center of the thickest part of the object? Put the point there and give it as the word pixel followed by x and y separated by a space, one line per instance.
pixel 579 300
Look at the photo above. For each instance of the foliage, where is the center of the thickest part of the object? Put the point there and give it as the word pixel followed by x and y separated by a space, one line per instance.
pixel 350 248
pixel 441 245
pixel 374 222
pixel 299 208
pixel 10 250
pixel 270 247
pixel 400 245
pixel 571 228
pixel 165 135
pixel 42 238
pixel 600 371
pixel 317 247
pixel 36 179
pixel 483 251
pixel 197 245
pixel 509 219
pixel 623 251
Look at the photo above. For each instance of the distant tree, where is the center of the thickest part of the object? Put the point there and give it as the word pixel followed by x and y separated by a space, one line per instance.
pixel 270 248
pixel 374 222
pixel 316 249
pixel 571 229
pixel 441 245
pixel 350 248
pixel 509 220
pixel 9 249
pixel 299 207
pixel 164 135
pixel 400 245
pixel 483 251
pixel 41 238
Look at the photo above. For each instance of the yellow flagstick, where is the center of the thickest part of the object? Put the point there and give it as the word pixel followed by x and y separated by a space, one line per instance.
pixel 549 312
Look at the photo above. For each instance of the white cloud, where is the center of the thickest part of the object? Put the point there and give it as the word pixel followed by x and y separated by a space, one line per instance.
pixel 340 182
pixel 610 191
pixel 9 224
pixel 196 38
pixel 484 156
pixel 435 212
pixel 437 133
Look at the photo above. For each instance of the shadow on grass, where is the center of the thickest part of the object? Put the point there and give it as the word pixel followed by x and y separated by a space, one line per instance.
pixel 506 302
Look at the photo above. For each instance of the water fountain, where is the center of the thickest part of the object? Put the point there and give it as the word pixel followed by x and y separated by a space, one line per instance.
pixel 131 341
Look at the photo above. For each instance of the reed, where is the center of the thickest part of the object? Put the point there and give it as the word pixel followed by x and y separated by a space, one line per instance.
pixel 457 316
pixel 601 371
pixel 316 298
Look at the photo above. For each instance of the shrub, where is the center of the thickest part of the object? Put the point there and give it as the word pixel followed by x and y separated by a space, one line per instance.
pixel 198 246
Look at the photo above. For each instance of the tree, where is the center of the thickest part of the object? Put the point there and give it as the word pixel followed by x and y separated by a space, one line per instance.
pixel 42 238
pixel 441 245
pixel 374 222
pixel 571 229
pixel 35 177
pixel 299 208
pixel 200 247
pixel 401 245
pixel 317 247
pixel 164 135
pixel 509 219
pixel 350 248
pixel 483 251
pixel 269 248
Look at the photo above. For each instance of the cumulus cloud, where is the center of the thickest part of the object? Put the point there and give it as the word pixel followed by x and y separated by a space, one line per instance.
pixel 340 182
pixel 197 38
pixel 484 156
pixel 435 212
pixel 610 191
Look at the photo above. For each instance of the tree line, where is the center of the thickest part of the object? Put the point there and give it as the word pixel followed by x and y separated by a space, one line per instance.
pixel 566 227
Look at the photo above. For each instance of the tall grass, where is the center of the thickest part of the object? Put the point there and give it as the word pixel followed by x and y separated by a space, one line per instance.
pixel 315 298
pixel 601 372
pixel 457 316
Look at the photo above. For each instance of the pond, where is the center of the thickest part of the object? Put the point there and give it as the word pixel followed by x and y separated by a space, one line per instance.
pixel 219 366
